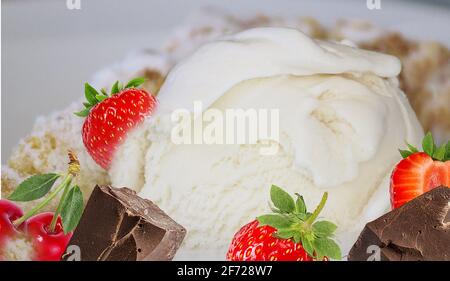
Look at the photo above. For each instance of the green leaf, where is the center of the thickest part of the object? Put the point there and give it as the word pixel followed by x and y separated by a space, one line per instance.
pixel 308 246
pixel 324 228
pixel 86 104
pixel 326 247
pixel 136 82
pixel 281 199
pixel 72 209
pixel 300 206
pixel 447 151
pixel 302 217
pixel 275 210
pixel 101 98
pixel 439 153
pixel 90 94
pixel 405 153
pixel 83 113
pixel 297 237
pixel 103 91
pixel 285 233
pixel 34 187
pixel 412 148
pixel 276 221
pixel 115 88
pixel 428 144
pixel 308 214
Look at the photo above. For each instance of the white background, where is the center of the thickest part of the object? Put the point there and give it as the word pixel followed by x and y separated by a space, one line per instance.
pixel 48 51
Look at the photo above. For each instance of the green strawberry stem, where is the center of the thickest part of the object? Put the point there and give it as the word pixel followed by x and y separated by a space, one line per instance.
pixel 93 97
pixel 292 221
pixel 318 209
pixel 439 153
pixel 44 203
pixel 306 226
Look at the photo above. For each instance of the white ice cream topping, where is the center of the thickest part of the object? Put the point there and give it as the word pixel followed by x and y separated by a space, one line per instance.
pixel 342 117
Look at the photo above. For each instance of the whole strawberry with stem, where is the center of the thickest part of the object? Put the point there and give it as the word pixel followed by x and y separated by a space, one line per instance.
pixel 419 172
pixel 291 233
pixel 110 117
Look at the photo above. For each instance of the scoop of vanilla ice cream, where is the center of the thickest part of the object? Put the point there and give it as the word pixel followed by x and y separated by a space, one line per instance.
pixel 342 117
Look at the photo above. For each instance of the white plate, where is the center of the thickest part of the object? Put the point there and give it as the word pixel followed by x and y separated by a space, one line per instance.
pixel 48 51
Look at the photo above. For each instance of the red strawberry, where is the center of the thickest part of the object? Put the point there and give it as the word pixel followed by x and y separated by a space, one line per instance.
pixel 420 172
pixel 258 243
pixel 290 234
pixel 109 118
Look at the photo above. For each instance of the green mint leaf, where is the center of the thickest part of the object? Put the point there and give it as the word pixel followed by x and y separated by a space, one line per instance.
pixel 324 228
pixel 276 221
pixel 405 153
pixel 136 82
pixel 34 187
pixel 72 209
pixel 101 98
pixel 115 88
pixel 412 148
pixel 308 246
pixel 300 206
pixel 428 144
pixel 439 153
pixel 326 247
pixel 82 113
pixel 90 94
pixel 281 199
pixel 285 233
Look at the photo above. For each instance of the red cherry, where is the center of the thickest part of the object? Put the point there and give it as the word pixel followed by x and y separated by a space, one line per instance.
pixel 9 212
pixel 49 246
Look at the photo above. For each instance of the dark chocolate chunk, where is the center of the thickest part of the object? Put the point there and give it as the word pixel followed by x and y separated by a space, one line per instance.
pixel 118 225
pixel 418 230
